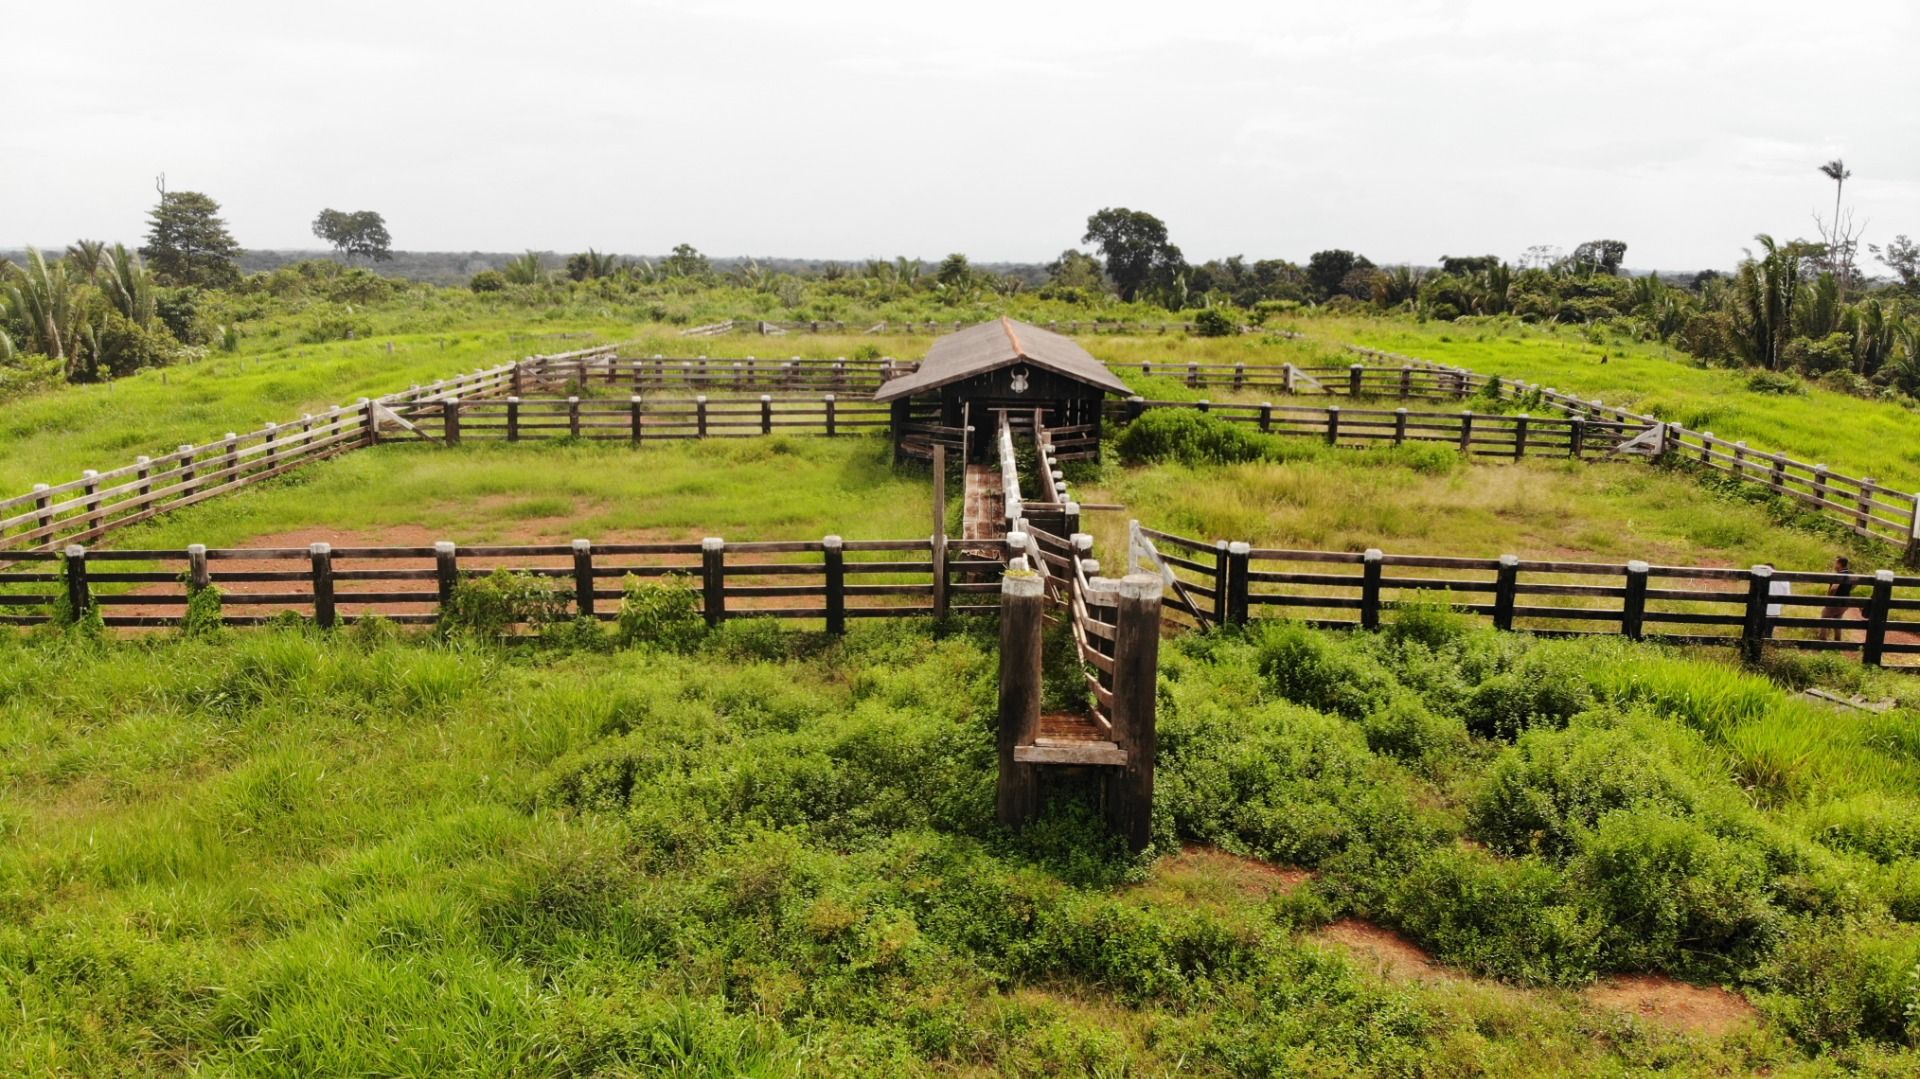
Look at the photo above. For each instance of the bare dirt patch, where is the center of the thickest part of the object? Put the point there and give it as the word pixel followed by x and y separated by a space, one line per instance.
pixel 1662 1001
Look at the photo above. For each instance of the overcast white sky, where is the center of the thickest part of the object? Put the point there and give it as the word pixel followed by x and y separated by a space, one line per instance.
pixel 1404 130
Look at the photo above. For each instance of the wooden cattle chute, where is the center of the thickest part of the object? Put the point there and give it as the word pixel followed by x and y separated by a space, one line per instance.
pixel 1230 583
pixel 828 579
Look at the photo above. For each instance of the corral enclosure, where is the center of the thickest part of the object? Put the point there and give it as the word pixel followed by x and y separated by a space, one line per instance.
pixel 752 487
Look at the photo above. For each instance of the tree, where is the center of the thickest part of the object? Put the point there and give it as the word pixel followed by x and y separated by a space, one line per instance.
pixel 188 243
pixel 1327 272
pixel 1135 246
pixel 1902 256
pixel 1599 257
pixel 362 233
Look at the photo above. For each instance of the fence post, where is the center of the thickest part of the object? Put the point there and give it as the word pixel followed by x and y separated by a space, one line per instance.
pixel 1017 794
pixel 1576 436
pixel 450 410
pixel 322 557
pixel 1371 563
pixel 1506 581
pixel 79 592
pixel 198 576
pixel 1333 424
pixel 836 570
pixel 1354 374
pixel 713 578
pixel 1237 559
pixel 1754 630
pixel 1466 433
pixel 1136 679
pixel 1881 601
pixel 573 417
pixel 700 415
pixel 90 485
pixel 446 570
pixel 634 408
pixel 1399 426
pixel 829 399
pixel 1634 607
pixel 583 578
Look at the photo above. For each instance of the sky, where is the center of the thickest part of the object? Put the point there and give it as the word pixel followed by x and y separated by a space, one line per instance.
pixel 1403 130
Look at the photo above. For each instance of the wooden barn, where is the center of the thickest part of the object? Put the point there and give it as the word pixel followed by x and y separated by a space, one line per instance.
pixel 969 378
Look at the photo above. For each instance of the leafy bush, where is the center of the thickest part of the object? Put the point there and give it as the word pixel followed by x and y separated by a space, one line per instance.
pixel 494 605
pixel 1189 437
pixel 664 613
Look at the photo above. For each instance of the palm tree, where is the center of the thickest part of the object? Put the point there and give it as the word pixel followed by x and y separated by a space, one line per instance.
pixel 1837 171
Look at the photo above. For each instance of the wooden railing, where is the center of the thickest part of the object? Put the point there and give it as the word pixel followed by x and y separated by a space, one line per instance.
pixel 1230 583
pixel 829 579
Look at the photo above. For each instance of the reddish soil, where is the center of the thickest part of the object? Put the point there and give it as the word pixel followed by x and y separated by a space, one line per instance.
pixel 1662 1001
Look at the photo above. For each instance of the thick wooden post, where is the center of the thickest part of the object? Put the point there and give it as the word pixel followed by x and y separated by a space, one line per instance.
pixel 1754 630
pixel 583 578
pixel 198 575
pixel 1634 608
pixel 1371 563
pixel 1237 585
pixel 634 406
pixel 450 410
pixel 1878 605
pixel 1333 424
pixel 322 557
pixel 79 591
pixel 713 578
pixel 1017 793
pixel 446 569
pixel 1136 675
pixel 836 573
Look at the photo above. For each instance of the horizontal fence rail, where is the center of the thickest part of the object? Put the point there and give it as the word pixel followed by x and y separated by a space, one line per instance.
pixel 830 579
pixel 1875 615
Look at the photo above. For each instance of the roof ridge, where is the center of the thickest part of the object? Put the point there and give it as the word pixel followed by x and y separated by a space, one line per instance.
pixel 1012 338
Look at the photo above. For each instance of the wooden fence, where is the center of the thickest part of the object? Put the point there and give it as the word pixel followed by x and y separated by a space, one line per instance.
pixel 828 579
pixel 1231 582
pixel 1489 435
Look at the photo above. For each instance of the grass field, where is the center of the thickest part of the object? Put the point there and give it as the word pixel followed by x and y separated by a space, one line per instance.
pixel 1860 438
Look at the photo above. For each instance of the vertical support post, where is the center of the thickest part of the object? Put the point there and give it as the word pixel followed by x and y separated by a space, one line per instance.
pixel 1520 435
pixel 836 572
pixel 1136 678
pixel 79 591
pixel 766 413
pixel 1333 424
pixel 1506 582
pixel 1355 373
pixel 573 417
pixel 1017 793
pixel 446 569
pixel 583 578
pixel 1400 426
pixel 713 578
pixel 450 410
pixel 1237 586
pixel 1576 437
pixel 322 559
pixel 198 575
pixel 1634 608
pixel 513 418
pixel 829 401
pixel 1754 630
pixel 1371 563
pixel 634 408
pixel 1466 433
pixel 1222 578
pixel 1878 604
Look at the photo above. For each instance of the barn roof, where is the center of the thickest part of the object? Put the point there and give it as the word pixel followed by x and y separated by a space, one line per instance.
pixel 993 345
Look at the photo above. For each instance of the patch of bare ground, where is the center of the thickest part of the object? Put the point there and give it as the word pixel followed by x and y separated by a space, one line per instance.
pixel 1676 1005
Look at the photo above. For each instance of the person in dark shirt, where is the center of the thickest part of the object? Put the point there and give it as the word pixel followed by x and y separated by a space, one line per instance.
pixel 1837 590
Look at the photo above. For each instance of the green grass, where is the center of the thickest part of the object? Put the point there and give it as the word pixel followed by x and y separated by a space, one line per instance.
pixel 1850 435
